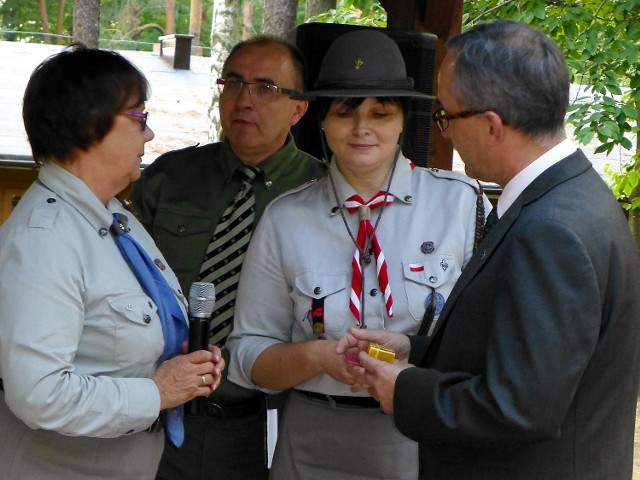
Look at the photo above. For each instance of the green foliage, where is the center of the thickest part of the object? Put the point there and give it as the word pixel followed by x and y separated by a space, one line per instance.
pixel 124 24
pixel 601 41
pixel 20 20
pixel 624 183
pixel 355 12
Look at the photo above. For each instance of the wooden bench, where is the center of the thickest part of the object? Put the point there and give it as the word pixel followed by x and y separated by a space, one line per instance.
pixel 176 49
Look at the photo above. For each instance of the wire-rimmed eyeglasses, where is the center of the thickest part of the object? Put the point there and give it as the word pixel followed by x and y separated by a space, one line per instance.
pixel 261 91
pixel 441 117
pixel 143 116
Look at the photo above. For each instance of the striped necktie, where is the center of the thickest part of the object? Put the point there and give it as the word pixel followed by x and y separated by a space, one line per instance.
pixel 174 324
pixel 367 238
pixel 223 258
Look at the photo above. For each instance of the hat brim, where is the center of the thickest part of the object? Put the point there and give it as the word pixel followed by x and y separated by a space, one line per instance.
pixel 356 93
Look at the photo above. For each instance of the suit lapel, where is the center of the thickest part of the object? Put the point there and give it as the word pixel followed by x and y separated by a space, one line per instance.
pixel 567 168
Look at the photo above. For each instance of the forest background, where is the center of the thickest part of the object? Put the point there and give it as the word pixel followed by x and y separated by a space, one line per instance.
pixel 600 38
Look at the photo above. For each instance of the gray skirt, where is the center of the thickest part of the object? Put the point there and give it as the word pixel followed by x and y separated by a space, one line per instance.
pixel 27 454
pixel 322 440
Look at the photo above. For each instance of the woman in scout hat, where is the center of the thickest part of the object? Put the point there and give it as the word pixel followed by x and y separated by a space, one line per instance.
pixel 378 243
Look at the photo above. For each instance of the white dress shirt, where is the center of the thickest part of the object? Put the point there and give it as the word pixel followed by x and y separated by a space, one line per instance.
pixel 523 179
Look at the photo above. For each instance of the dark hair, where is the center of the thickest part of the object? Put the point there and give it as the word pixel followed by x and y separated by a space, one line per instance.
pixel 515 70
pixel 72 99
pixel 299 63
pixel 351 103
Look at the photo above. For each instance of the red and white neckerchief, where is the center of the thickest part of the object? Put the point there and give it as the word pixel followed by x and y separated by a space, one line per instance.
pixel 367 232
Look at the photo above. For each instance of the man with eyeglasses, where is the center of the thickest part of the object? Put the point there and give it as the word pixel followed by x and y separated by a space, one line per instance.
pixel 532 369
pixel 185 197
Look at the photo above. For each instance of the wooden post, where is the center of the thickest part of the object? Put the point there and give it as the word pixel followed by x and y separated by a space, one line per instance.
pixel 176 49
pixel 444 19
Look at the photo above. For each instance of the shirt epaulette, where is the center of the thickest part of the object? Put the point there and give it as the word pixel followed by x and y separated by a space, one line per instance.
pixel 44 214
pixel 296 189
pixel 450 175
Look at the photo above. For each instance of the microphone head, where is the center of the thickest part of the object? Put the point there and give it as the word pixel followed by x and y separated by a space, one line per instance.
pixel 202 298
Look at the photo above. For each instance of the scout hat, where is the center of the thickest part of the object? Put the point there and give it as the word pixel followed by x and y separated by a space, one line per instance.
pixel 362 63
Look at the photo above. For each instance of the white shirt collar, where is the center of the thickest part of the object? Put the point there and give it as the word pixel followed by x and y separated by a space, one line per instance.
pixel 523 179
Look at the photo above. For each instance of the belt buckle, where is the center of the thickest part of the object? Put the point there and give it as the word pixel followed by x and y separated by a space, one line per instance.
pixel 213 410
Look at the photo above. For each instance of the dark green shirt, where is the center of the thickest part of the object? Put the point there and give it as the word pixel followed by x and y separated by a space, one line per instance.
pixel 182 195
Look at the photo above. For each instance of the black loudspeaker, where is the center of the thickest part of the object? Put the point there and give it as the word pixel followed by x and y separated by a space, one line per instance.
pixel 419 53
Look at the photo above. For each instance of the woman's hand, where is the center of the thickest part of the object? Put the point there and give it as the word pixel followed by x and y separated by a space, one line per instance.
pixel 187 376
pixel 333 363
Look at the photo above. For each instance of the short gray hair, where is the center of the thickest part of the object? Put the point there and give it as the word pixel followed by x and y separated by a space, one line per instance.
pixel 514 70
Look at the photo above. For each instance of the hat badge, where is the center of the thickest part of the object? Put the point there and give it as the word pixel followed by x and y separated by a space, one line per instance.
pixel 358 63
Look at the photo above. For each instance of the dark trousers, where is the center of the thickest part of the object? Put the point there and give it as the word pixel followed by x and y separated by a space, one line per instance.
pixel 218 449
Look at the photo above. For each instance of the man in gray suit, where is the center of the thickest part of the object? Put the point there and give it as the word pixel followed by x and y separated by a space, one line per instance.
pixel 532 369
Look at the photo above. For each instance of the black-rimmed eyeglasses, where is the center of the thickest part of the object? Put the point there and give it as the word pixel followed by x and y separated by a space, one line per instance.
pixel 441 117
pixel 261 91
pixel 143 116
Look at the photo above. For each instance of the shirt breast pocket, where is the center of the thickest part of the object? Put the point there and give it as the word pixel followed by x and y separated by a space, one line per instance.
pixel 424 279
pixel 320 290
pixel 182 239
pixel 137 327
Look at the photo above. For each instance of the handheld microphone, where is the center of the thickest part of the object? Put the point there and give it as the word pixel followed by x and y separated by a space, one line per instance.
pixel 202 298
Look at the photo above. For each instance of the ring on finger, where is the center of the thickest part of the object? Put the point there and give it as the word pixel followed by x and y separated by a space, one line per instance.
pixel 204 380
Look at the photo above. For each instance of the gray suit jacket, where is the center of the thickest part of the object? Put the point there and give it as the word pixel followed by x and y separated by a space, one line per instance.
pixel 532 370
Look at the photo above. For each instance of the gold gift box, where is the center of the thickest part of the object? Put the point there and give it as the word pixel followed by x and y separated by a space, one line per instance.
pixel 381 353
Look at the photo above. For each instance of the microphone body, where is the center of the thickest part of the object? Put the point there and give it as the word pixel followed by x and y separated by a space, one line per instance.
pixel 202 298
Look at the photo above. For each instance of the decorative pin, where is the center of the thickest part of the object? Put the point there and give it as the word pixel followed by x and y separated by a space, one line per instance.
pixel 438 304
pixel 444 265
pixel 159 264
pixel 358 63
pixel 427 247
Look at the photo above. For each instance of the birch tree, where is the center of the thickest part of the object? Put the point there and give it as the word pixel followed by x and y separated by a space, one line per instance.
pixel 225 33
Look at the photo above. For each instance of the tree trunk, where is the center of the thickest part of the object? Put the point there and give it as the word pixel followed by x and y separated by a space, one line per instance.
pixel 195 21
pixel 247 25
pixel 315 7
pixel 170 17
pixel 60 22
pixel 225 33
pixel 279 17
pixel 86 22
pixel 45 21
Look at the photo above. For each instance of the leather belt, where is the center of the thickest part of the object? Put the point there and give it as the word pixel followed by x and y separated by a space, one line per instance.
pixel 220 411
pixel 364 402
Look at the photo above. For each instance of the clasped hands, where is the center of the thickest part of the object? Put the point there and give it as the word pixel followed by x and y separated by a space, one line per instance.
pixel 375 376
pixel 187 376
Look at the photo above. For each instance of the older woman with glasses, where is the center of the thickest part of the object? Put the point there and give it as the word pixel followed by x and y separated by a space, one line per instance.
pixel 379 243
pixel 92 319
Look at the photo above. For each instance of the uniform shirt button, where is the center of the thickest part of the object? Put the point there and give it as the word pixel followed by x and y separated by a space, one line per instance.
pixel 146 318
pixel 373 292
pixel 317 291
pixel 51 200
pixel 408 199
pixel 181 229
pixel 103 232
pixel 433 279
